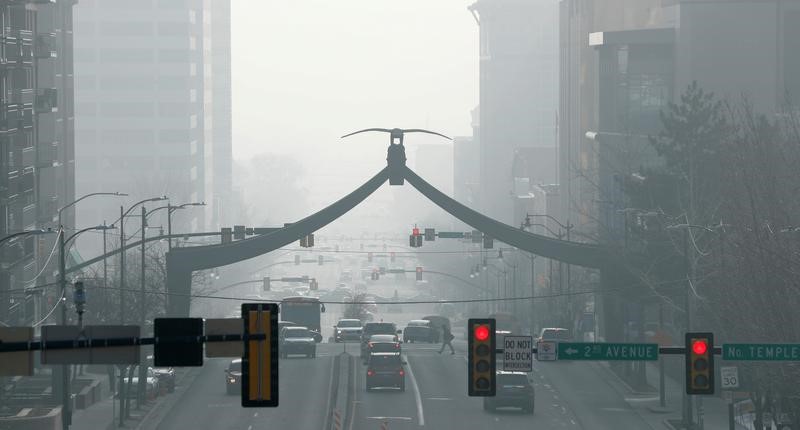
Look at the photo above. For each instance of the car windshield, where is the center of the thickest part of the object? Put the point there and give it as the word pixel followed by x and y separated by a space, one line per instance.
pixel 603 195
pixel 512 379
pixel 349 323
pixel 296 333
pixel 384 328
pixel 556 334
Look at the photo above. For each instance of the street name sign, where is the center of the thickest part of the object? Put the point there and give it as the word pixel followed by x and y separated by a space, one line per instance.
pixel 607 351
pixel 761 351
pixel 518 353
pixel 546 350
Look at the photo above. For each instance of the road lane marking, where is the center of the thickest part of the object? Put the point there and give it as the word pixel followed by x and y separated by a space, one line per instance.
pixel 439 398
pixel 641 399
pixel 417 395
pixel 325 422
pixel 390 418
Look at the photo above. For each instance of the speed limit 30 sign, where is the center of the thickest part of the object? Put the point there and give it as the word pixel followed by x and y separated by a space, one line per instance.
pixel 730 377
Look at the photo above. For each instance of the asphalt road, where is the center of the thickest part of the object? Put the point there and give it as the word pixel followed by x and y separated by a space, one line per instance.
pixel 568 395
pixel 304 391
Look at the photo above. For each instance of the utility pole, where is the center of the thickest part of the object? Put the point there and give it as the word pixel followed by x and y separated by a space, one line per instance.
pixel 169 226
pixel 66 411
pixel 142 366
pixel 687 399
pixel 121 268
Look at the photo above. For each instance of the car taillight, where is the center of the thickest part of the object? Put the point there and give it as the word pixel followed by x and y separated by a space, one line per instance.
pixel 369 345
pixel 370 373
pixel 397 345
pixel 402 372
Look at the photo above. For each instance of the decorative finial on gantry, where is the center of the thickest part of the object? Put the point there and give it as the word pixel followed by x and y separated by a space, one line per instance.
pixel 396 154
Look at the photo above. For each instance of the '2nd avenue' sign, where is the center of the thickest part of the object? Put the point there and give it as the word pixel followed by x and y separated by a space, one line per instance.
pixel 607 351
pixel 761 351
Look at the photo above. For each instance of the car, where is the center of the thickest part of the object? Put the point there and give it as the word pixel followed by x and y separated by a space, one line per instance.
pixel 233 377
pixel 347 329
pixel 166 378
pixel 385 370
pixel 383 343
pixel 132 384
pixel 372 328
pixel 438 323
pixel 513 390
pixel 555 334
pixel 418 330
pixel 297 340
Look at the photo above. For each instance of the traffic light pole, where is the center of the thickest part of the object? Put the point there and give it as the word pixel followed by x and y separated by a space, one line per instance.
pixel 687 400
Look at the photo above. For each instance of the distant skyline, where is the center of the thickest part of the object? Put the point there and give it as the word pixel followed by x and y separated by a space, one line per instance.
pixel 304 73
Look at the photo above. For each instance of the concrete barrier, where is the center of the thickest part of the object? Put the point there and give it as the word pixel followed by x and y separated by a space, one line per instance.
pixel 33 419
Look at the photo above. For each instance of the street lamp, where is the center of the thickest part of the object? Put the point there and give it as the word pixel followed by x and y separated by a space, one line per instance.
pixel 85 197
pixel 170 210
pixel 122 214
pixel 67 412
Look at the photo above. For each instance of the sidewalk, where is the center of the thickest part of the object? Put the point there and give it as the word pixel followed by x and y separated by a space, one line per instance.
pixel 646 404
pixel 104 415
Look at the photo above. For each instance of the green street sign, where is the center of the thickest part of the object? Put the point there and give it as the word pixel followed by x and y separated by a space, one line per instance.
pixel 451 235
pixel 607 351
pixel 761 351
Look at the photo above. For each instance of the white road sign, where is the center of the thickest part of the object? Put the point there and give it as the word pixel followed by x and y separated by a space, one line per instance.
pixel 730 377
pixel 546 351
pixel 518 353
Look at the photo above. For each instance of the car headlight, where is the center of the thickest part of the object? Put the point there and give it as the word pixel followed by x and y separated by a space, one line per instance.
pixel 232 380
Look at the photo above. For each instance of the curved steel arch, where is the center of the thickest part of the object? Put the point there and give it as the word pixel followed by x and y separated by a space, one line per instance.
pixel 181 262
pixel 579 254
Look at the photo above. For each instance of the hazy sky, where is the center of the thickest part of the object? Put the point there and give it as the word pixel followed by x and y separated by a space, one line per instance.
pixel 307 71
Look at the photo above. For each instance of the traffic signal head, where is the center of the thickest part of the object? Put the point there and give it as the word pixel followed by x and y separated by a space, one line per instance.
pixel 304 242
pixel 311 240
pixel 415 231
pixel 267 284
pixel 419 273
pixel 417 241
pixel 481 360
pixel 699 363
pixel 260 360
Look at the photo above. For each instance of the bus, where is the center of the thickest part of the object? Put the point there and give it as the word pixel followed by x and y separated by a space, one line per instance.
pixel 304 311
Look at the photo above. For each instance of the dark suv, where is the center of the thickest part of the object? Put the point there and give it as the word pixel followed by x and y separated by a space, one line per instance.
pixel 372 328
pixel 385 369
pixel 513 390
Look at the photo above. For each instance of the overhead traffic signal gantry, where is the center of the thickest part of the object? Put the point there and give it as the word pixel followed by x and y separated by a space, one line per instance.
pixel 699 363
pixel 481 359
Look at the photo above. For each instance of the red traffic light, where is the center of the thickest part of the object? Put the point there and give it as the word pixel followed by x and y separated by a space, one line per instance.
pixel 481 333
pixel 699 347
pixel 415 232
